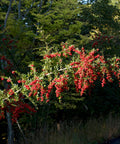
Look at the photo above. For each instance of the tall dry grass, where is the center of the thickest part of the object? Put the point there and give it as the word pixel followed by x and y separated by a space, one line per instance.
pixel 95 131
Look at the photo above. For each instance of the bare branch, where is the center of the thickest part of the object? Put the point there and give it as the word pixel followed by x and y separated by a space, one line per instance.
pixel 21 131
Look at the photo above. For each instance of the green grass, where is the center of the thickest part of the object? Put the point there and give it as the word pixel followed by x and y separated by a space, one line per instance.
pixel 95 131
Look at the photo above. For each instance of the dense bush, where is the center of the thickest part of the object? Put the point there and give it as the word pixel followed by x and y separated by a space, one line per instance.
pixel 62 80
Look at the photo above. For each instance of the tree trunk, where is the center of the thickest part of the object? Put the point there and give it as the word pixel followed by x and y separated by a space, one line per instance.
pixel 19 7
pixel 8 116
pixel 8 12
pixel 10 130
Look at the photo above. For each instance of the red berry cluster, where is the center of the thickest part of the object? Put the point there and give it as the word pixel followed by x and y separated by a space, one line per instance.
pixel 100 40
pixel 8 64
pixel 16 109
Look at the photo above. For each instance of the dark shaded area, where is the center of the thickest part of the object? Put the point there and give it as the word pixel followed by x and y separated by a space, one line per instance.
pixel 3 132
pixel 113 141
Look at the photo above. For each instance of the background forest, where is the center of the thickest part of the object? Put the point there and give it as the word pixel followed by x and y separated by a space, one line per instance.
pixel 33 33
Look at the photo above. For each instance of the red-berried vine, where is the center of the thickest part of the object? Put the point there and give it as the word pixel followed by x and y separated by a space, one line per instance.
pixel 70 65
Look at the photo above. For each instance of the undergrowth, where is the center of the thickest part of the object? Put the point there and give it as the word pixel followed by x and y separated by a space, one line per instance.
pixel 94 131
